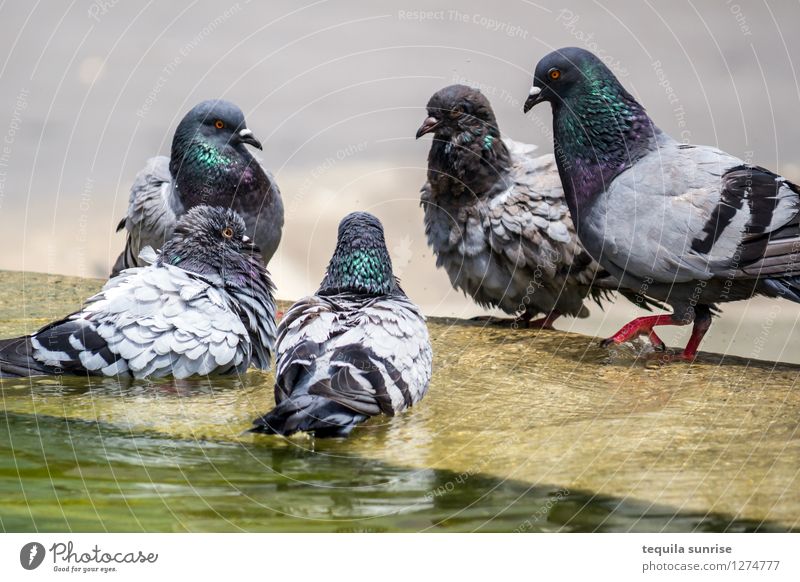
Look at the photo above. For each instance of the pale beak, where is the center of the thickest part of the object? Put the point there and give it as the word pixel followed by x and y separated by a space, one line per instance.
pixel 246 136
pixel 429 125
pixel 534 97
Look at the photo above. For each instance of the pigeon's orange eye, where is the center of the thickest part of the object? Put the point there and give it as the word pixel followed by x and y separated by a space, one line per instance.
pixel 219 124
pixel 228 232
pixel 554 74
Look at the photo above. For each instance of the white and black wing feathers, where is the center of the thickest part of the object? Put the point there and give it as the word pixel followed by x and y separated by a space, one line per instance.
pixel 372 357
pixel 150 322
pixel 704 214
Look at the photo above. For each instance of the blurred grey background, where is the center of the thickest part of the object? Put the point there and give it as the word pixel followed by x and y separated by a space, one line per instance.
pixel 335 89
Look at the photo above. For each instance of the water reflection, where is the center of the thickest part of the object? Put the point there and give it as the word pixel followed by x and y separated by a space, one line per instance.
pixel 58 474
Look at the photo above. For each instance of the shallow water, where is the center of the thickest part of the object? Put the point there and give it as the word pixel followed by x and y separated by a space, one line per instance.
pixel 521 431
pixel 82 476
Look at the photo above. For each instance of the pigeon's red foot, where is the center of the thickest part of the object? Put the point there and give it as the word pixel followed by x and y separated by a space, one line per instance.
pixel 657 342
pixel 701 325
pixel 641 326
pixel 645 325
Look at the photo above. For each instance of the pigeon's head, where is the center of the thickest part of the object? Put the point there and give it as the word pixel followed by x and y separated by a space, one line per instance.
pixel 456 110
pixel 570 72
pixel 217 122
pixel 361 262
pixel 207 239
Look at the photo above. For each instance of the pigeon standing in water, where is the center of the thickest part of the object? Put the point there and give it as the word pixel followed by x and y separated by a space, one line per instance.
pixel 203 307
pixel 496 217
pixel 689 225
pixel 209 164
pixel 357 348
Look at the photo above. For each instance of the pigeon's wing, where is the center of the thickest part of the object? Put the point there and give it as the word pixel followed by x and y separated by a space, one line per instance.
pixel 529 225
pixel 385 358
pixel 767 231
pixel 268 231
pixel 255 305
pixel 303 337
pixel 150 322
pixel 372 357
pixel 685 212
pixel 152 212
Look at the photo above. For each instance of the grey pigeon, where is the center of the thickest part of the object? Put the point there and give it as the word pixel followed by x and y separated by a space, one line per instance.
pixel 209 164
pixel 496 218
pixel 688 225
pixel 357 348
pixel 204 306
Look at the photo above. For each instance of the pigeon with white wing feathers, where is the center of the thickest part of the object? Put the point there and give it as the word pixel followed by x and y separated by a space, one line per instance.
pixel 357 348
pixel 209 164
pixel 496 218
pixel 204 306
pixel 689 225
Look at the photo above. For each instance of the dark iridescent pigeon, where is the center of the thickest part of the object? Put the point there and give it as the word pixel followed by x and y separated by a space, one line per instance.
pixel 358 348
pixel 689 225
pixel 203 307
pixel 496 218
pixel 209 164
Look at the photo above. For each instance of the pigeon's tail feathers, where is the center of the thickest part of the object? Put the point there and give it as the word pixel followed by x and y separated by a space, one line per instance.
pixel 604 286
pixel 122 224
pixel 309 413
pixel 126 259
pixel 16 360
pixel 642 301
pixel 785 287
pixel 119 265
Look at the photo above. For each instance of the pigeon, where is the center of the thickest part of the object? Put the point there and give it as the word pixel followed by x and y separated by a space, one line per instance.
pixel 496 218
pixel 209 164
pixel 203 306
pixel 688 225
pixel 357 348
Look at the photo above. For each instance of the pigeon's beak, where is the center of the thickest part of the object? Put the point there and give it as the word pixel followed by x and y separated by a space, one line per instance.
pixel 534 98
pixel 250 246
pixel 246 136
pixel 430 124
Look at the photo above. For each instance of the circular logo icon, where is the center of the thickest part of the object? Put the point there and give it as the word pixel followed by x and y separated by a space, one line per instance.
pixel 31 555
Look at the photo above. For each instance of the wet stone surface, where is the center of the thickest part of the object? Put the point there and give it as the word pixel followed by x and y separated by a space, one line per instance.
pixel 522 430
